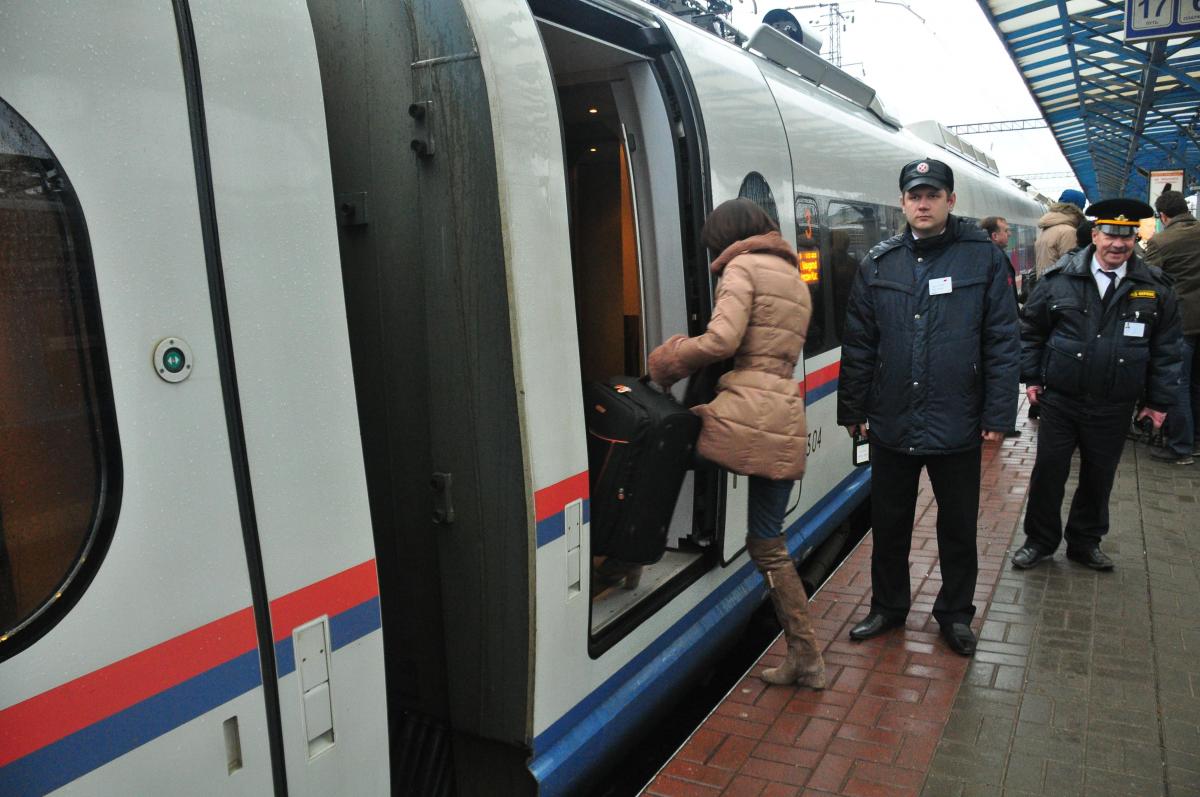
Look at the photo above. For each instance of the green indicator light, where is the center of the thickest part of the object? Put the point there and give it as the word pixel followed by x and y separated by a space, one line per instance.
pixel 173 360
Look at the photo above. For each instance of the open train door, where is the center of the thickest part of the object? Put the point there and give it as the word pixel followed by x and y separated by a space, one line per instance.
pixel 425 295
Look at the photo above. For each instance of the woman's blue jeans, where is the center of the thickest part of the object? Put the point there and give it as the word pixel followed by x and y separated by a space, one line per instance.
pixel 768 505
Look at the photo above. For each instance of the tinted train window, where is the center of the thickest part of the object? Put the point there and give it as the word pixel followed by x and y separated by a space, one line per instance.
pixel 58 481
pixel 813 271
pixel 755 187
pixel 853 230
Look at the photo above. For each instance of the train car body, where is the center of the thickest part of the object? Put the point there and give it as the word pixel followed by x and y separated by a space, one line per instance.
pixel 298 304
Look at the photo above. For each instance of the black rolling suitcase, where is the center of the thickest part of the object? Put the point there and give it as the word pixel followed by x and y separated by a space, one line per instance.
pixel 640 444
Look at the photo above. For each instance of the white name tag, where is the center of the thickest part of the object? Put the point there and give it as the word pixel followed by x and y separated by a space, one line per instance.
pixel 1134 329
pixel 939 286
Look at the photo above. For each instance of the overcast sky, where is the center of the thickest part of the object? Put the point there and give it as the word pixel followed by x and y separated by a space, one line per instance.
pixel 937 59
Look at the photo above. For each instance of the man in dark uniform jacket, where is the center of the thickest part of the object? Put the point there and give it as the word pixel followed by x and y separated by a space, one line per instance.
pixel 930 360
pixel 1100 331
pixel 1176 250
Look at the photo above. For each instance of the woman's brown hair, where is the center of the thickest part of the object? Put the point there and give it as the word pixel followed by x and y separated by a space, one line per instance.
pixel 733 221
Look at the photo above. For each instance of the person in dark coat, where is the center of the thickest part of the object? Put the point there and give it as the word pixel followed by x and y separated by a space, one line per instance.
pixel 997 229
pixel 929 370
pixel 1100 332
pixel 1176 250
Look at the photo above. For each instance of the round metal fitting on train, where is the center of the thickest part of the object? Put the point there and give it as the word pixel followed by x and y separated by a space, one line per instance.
pixel 172 360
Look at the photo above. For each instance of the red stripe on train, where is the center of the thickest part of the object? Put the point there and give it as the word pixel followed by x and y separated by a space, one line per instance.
pixel 330 596
pixel 822 376
pixel 44 719
pixel 50 716
pixel 549 501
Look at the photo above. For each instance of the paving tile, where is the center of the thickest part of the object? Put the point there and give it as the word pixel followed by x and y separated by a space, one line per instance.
pixel 732 753
pixel 817 734
pixel 698 773
pixel 665 786
pixel 700 746
pixel 1025 772
pixel 780 790
pixel 787 754
pixel 744 786
pixel 775 772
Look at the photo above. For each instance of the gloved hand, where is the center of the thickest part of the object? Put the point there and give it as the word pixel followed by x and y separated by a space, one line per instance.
pixel 665 367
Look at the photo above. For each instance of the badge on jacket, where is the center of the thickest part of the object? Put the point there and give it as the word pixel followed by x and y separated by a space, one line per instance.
pixel 939 286
pixel 1134 329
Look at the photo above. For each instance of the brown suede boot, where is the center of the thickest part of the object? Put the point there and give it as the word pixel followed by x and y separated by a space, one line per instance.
pixel 803 665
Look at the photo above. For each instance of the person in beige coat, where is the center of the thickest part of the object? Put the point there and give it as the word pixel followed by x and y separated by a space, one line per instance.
pixel 755 426
pixel 1056 235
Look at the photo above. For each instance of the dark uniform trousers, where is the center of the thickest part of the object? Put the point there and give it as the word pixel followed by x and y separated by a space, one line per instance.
pixel 895 478
pixel 1098 430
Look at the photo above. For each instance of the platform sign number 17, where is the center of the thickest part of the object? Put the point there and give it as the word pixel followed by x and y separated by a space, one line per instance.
pixel 1153 13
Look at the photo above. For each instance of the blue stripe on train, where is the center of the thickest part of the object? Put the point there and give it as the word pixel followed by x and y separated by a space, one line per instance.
pixel 551 528
pixel 818 393
pixel 96 745
pixel 581 738
pixel 344 628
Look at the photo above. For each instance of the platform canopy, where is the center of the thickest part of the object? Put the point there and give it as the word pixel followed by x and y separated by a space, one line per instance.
pixel 1118 110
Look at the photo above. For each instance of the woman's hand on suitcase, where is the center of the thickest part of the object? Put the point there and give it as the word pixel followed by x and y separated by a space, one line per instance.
pixel 664 365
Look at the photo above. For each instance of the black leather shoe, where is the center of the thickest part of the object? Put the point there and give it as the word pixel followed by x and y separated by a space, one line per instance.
pixel 1092 557
pixel 960 638
pixel 874 624
pixel 1027 556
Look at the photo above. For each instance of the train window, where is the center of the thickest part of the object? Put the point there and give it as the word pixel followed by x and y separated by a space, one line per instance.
pixel 57 438
pixel 853 230
pixel 755 188
pixel 813 270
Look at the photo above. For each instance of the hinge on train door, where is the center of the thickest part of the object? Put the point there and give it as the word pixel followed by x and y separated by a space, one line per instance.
pixel 443 502
pixel 422 114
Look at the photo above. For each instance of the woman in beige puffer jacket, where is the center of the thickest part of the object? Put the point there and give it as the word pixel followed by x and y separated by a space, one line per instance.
pixel 755 425
pixel 1056 235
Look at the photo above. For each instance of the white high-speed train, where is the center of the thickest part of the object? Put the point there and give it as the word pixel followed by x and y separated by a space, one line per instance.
pixel 296 303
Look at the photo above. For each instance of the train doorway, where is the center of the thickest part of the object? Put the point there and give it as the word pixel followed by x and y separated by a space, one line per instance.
pixel 627 215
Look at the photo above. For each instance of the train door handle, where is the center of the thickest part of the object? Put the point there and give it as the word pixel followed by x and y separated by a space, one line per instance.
pixel 422 114
pixel 443 499
pixel 311 645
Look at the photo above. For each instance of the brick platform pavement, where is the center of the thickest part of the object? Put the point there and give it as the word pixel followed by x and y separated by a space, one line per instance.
pixel 1083 683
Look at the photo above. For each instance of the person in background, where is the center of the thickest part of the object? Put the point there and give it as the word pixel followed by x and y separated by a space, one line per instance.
pixel 1083 236
pixel 997 229
pixel 929 362
pixel 756 424
pixel 1056 230
pixel 1176 250
pixel 1100 331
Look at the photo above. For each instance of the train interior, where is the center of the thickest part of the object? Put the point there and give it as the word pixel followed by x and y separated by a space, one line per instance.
pixel 623 200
